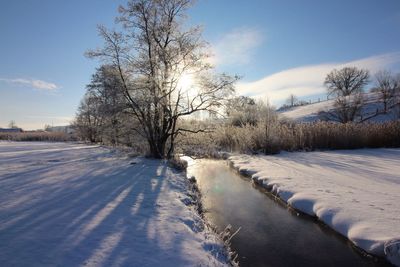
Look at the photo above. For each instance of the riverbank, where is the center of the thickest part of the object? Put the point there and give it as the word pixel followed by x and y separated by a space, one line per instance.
pixel 355 192
pixel 77 205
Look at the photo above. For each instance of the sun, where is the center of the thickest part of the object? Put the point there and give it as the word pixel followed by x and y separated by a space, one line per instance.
pixel 187 85
pixel 186 81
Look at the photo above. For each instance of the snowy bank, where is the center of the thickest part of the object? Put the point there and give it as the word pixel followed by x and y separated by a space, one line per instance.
pixel 356 192
pixel 77 205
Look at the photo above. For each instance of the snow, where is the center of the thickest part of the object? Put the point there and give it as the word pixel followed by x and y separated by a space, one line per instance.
pixel 76 205
pixel 356 192
pixel 309 113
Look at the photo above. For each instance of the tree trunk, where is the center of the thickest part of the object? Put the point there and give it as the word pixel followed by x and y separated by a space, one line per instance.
pixel 172 139
pixel 385 106
pixel 157 148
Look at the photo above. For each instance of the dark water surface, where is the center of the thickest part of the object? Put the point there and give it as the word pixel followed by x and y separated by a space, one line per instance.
pixel 271 234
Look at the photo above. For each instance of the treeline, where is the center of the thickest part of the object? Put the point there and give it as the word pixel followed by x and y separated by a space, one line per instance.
pixel 38 136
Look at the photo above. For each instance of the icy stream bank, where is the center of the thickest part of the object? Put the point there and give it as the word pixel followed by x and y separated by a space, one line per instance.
pixel 357 193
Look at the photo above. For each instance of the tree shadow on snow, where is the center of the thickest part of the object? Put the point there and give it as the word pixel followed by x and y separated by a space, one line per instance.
pixel 101 217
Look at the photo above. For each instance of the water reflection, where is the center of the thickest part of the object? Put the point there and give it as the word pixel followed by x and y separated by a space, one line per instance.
pixel 270 235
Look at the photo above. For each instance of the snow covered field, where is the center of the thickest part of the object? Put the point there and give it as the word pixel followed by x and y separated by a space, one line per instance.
pixel 76 205
pixel 355 192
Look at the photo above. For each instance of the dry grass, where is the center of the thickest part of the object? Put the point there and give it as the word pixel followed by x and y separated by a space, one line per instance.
pixel 277 136
pixel 37 136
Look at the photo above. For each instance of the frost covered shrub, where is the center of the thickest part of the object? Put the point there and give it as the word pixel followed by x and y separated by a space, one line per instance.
pixel 245 139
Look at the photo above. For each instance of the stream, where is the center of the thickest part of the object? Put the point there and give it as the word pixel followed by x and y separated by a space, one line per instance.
pixel 271 234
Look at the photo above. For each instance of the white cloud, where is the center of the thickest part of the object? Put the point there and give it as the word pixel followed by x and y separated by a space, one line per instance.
pixel 236 47
pixel 37 84
pixel 308 80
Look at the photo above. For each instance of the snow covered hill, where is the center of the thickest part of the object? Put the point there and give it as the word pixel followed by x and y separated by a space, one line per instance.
pixel 356 192
pixel 76 205
pixel 309 113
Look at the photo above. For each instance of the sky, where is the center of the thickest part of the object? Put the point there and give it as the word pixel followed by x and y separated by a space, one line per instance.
pixel 278 47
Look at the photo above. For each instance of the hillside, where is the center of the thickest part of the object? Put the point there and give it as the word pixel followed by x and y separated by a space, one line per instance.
pixel 310 112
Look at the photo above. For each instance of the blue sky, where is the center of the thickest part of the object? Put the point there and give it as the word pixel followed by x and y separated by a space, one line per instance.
pixel 279 47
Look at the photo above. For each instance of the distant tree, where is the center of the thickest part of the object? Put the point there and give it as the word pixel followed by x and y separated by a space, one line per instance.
pixel 396 99
pixel 397 78
pixel 292 100
pixel 346 85
pixel 12 124
pixel 386 86
pixel 346 81
pixel 153 54
pixel 47 127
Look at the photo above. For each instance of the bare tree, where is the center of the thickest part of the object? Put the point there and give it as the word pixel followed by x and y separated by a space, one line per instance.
pixel 292 100
pixel 152 54
pixel 346 85
pixel 386 86
pixel 12 124
pixel 346 81
pixel 397 93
